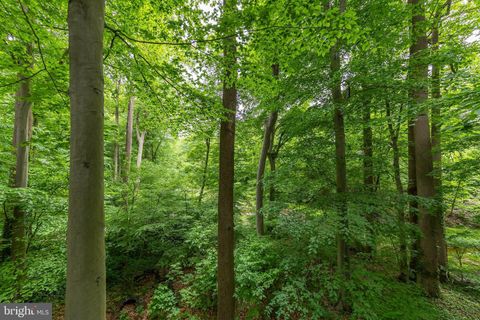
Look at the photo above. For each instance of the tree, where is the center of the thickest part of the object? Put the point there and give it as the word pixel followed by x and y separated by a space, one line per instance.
pixel 226 242
pixel 428 253
pixel 21 141
pixel 86 293
pixel 140 142
pixel 116 146
pixel 205 169
pixel 129 138
pixel 269 131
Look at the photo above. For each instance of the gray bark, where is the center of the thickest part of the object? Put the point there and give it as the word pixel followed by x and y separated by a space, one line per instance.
pixel 116 147
pixel 141 142
pixel 129 138
pixel 23 131
pixel 85 293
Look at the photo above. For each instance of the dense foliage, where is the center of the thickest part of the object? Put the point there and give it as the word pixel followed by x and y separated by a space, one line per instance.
pixel 164 59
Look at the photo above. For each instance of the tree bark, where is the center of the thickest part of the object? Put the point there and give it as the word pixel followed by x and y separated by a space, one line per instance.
pixel 129 138
pixel 85 293
pixel 428 253
pixel 269 130
pixel 272 159
pixel 226 244
pixel 22 130
pixel 141 142
pixel 413 207
pixel 116 147
pixel 205 170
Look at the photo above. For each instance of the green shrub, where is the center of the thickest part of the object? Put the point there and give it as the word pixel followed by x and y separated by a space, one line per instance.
pixel 163 305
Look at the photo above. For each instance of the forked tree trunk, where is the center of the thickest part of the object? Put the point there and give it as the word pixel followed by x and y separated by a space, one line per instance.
pixel 205 170
pixel 428 253
pixel 129 138
pixel 22 129
pixel 226 244
pixel 85 293
pixel 269 130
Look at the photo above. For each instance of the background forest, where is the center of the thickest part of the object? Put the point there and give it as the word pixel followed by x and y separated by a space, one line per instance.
pixel 356 167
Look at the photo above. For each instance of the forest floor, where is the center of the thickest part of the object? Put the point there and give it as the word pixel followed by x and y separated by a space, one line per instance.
pixel 460 298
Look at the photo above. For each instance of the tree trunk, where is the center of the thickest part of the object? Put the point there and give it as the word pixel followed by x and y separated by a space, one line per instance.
pixel 403 257
pixel 437 160
pixel 129 138
pixel 226 244
pixel 428 253
pixel 116 148
pixel 413 207
pixel 368 179
pixel 141 143
pixel 340 163
pixel 85 293
pixel 205 170
pixel 22 129
pixel 272 157
pixel 269 128
pixel 269 131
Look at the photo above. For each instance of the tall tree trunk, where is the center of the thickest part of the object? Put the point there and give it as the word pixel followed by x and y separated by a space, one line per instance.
pixel 340 162
pixel 116 147
pixel 129 138
pixel 437 158
pixel 22 129
pixel 368 178
pixel 413 206
pixel 269 130
pixel 428 253
pixel 205 170
pixel 141 143
pixel 403 257
pixel 226 244
pixel 85 294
